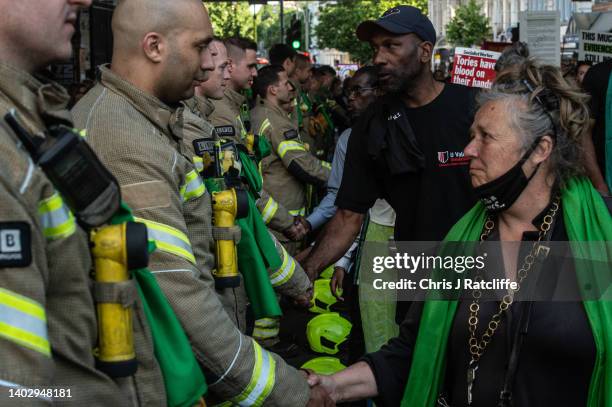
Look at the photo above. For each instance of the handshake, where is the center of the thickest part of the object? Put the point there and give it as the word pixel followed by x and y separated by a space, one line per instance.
pixel 298 231
pixel 322 390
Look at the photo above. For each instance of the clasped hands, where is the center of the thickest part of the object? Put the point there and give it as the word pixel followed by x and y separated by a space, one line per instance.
pixel 322 390
pixel 298 230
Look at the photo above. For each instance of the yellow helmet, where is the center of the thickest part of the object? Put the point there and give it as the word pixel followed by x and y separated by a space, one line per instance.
pixel 326 332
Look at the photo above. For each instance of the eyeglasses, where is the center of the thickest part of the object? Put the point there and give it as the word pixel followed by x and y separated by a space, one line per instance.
pixel 358 91
pixel 546 105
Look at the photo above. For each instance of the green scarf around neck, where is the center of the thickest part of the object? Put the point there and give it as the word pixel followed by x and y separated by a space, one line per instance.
pixel 586 219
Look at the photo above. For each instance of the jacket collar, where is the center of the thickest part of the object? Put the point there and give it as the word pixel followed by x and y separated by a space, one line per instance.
pixel 160 114
pixel 236 99
pixel 276 109
pixel 33 98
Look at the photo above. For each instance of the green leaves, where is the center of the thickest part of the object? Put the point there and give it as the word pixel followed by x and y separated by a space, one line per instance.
pixel 469 27
pixel 338 22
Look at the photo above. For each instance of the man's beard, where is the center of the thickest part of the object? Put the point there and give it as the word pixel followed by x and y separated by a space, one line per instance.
pixel 403 82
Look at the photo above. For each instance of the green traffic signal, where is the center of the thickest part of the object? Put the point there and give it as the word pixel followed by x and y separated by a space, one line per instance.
pixel 296 44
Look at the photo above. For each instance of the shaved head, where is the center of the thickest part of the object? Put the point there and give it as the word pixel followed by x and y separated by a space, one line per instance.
pixel 162 46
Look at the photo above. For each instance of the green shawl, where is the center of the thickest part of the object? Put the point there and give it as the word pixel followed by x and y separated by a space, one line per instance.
pixel 586 219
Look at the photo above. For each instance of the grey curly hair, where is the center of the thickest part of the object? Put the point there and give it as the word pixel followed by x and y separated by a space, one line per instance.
pixel 541 102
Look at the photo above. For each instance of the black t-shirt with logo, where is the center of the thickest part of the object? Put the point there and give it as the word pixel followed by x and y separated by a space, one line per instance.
pixel 430 200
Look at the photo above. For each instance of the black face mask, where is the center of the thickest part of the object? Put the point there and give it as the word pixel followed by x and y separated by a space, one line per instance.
pixel 499 194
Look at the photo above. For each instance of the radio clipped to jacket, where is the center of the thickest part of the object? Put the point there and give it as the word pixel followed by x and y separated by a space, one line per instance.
pixel 88 188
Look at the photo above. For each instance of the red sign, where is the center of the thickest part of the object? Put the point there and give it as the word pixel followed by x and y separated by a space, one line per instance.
pixel 474 67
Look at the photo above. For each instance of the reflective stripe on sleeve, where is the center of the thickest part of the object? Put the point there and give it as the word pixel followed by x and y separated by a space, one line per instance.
pixel 298 212
pixel 198 163
pixel 289 145
pixel 266 328
pixel 325 164
pixel 269 210
pixel 285 271
pixel 169 239
pixel 193 188
pixel 262 379
pixel 57 220
pixel 23 321
pixel 264 126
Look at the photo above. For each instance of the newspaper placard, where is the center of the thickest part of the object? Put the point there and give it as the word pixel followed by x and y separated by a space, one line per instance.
pixel 542 33
pixel 595 47
pixel 474 67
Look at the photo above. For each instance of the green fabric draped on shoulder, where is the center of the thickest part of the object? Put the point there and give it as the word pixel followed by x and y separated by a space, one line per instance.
pixel 184 381
pixel 586 219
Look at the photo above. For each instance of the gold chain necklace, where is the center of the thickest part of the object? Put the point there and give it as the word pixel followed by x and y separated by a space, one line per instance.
pixel 477 347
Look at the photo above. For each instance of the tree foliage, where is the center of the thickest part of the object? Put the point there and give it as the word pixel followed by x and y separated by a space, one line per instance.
pixel 338 22
pixel 230 19
pixel 469 26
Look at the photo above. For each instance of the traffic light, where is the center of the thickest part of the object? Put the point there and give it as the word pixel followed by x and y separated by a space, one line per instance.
pixel 294 34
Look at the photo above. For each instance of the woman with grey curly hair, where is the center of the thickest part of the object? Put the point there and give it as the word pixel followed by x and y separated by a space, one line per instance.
pixel 527 169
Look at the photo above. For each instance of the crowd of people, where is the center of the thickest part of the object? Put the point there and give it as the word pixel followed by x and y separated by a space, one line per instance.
pixel 160 239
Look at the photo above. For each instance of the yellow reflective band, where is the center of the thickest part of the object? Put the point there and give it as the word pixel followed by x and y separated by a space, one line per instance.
pixel 325 164
pixel 23 321
pixel 269 210
pixel 264 126
pixel 262 380
pixel 169 239
pixel 289 145
pixel 298 212
pixel 193 188
pixel 265 333
pixel 285 271
pixel 198 162
pixel 243 132
pixel 266 322
pixel 83 133
pixel 56 219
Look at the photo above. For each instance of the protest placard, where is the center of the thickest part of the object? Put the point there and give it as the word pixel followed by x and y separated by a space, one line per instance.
pixel 541 31
pixel 594 47
pixel 474 67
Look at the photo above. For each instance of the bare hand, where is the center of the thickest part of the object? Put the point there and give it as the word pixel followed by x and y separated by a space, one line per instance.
pixel 294 232
pixel 322 385
pixel 336 282
pixel 305 299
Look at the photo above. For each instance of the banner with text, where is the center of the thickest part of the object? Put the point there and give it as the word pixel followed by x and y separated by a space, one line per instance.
pixel 474 67
pixel 595 47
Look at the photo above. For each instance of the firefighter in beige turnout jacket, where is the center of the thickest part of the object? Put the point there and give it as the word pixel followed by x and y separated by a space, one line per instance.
pixel 48 326
pixel 139 138
pixel 289 279
pixel 290 166
pixel 228 118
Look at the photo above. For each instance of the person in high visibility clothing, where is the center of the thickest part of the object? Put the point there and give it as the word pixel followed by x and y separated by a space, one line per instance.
pixel 303 106
pixel 231 119
pixel 290 167
pixel 288 279
pixel 161 50
pixel 48 326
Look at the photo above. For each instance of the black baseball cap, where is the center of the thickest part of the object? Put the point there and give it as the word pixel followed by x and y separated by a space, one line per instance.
pixel 399 20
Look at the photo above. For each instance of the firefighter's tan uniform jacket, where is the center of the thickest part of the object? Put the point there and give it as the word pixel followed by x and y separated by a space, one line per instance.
pixel 290 166
pixel 304 111
pixel 290 279
pixel 139 138
pixel 48 326
pixel 228 122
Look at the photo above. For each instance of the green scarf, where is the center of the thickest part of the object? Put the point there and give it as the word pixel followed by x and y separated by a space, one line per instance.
pixel 184 382
pixel 608 136
pixel 586 219
pixel 256 254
